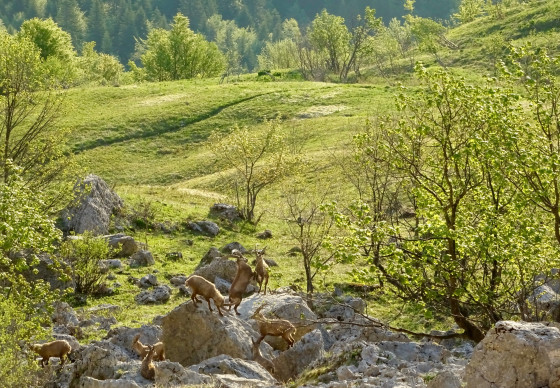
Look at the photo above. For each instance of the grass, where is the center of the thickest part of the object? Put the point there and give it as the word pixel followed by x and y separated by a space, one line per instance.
pixel 149 142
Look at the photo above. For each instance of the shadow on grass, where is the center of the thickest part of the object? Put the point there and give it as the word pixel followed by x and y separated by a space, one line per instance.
pixel 166 127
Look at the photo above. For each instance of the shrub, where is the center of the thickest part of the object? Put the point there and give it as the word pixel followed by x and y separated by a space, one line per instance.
pixel 84 256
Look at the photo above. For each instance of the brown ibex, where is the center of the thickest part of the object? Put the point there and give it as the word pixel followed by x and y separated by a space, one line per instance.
pixel 242 278
pixel 274 327
pixel 261 269
pixel 58 348
pixel 258 357
pixel 201 286
pixel 142 349
pixel 148 369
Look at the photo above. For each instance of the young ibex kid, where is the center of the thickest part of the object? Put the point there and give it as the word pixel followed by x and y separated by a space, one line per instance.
pixel 261 269
pixel 274 327
pixel 201 286
pixel 148 369
pixel 142 349
pixel 242 278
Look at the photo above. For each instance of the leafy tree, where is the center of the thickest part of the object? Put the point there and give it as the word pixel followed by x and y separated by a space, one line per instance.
pixel 478 244
pixel 72 19
pixel 51 40
pixel 26 305
pixel 99 68
pixel 469 10
pixel 329 33
pixel 179 53
pixel 29 106
pixel 534 147
pixel 258 159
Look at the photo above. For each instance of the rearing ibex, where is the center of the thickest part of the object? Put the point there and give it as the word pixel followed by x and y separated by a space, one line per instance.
pixel 242 278
pixel 261 269
pixel 274 327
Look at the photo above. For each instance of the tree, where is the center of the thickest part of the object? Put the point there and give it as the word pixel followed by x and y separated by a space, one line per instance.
pixel 329 33
pixel 100 68
pixel 72 19
pixel 29 107
pixel 52 41
pixel 179 53
pixel 310 226
pixel 26 305
pixel 258 159
pixel 478 244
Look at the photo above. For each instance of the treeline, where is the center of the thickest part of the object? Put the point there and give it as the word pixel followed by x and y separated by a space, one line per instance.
pixel 116 24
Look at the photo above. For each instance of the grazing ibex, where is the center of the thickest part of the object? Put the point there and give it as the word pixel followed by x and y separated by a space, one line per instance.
pixel 201 286
pixel 258 357
pixel 58 348
pixel 274 327
pixel 148 369
pixel 242 278
pixel 261 269
pixel 142 349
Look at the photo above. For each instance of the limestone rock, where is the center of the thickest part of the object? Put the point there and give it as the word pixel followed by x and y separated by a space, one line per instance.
pixel 207 228
pixel 148 281
pixel 159 294
pixel 219 267
pixel 142 258
pixel 224 364
pixel 192 334
pixel 212 254
pixel 173 374
pixel 228 248
pixel 293 361
pixel 445 379
pixel 94 204
pixel 516 355
pixel 225 211
pixel 90 382
pixel 178 280
pixel 124 245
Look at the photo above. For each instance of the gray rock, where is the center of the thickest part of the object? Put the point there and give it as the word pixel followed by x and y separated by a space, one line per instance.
pixel 173 374
pixel 92 209
pixel 148 281
pixel 212 254
pixel 233 245
pixel 124 245
pixel 224 364
pixel 265 235
pixel 445 379
pixel 219 267
pixel 516 355
pixel 225 211
pixel 142 258
pixel 174 256
pixel 90 382
pixel 293 361
pixel 222 285
pixel 178 280
pixel 207 228
pixel 160 294
pixel 111 263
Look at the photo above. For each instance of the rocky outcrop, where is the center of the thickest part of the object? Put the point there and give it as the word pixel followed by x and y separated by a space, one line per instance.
pixel 93 206
pixel 293 361
pixel 516 355
pixel 123 245
pixel 192 334
pixel 207 228
pixel 227 365
pixel 222 268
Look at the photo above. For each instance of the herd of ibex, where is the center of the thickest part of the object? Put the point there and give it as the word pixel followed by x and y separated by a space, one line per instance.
pixel 201 286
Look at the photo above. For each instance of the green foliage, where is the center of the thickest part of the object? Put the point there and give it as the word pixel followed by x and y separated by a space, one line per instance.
pixel 469 10
pixel 26 305
pixel 179 53
pixel 84 255
pixel 51 40
pixel 99 68
pixel 258 160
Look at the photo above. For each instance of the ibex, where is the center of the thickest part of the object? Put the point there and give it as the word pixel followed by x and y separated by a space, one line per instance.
pixel 258 357
pixel 274 327
pixel 261 269
pixel 242 278
pixel 148 370
pixel 58 348
pixel 201 286
pixel 142 349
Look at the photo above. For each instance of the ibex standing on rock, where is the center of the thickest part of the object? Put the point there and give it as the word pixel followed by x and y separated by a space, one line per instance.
pixel 242 278
pixel 201 286
pixel 261 269
pixel 142 350
pixel 274 327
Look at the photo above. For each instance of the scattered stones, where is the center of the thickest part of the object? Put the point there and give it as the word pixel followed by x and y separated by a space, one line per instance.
pixel 207 228
pixel 148 281
pixel 142 258
pixel 160 294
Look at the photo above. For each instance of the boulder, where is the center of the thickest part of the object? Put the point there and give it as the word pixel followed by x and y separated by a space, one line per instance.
pixel 159 294
pixel 124 245
pixel 228 248
pixel 111 263
pixel 224 364
pixel 148 281
pixel 516 355
pixel 93 206
pixel 192 334
pixel 207 228
pixel 222 285
pixel 219 267
pixel 545 299
pixel 142 258
pixel 123 336
pixel 90 382
pixel 212 254
pixel 96 362
pixel 266 234
pixel 293 361
pixel 445 379
pixel 225 211
pixel 178 280
pixel 173 374
pixel 174 256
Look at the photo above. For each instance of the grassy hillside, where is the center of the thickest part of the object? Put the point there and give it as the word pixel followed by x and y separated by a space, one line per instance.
pixel 148 141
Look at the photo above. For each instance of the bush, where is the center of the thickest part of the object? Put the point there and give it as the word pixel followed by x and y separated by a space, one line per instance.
pixel 84 256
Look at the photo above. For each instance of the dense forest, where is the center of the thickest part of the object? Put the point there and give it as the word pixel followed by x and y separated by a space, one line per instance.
pixel 115 25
